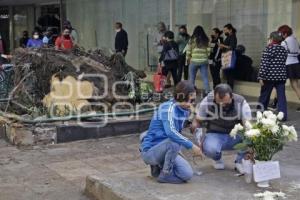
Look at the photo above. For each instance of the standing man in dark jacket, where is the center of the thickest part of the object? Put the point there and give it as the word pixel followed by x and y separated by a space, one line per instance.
pixel 121 40
pixel 182 40
pixel 24 39
pixel 215 56
pixel 272 73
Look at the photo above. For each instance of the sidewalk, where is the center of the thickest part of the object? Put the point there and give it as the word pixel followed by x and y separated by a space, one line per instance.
pixel 60 171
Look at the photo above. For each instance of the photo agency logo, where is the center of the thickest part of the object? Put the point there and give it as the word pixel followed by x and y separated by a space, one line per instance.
pixel 81 101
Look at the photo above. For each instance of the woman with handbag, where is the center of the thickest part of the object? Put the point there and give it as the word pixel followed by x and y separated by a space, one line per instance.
pixel 229 44
pixel 197 53
pixel 291 44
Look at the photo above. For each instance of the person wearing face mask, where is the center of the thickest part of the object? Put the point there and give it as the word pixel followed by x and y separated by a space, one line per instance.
pixel 73 33
pixel 215 56
pixel 35 41
pixel 24 39
pixel 48 38
pixel 273 74
pixel 182 40
pixel 161 144
pixel 121 39
pixel 219 112
pixel 229 44
pixel 158 43
pixel 64 42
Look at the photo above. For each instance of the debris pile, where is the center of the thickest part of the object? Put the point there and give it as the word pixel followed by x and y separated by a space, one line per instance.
pixel 79 77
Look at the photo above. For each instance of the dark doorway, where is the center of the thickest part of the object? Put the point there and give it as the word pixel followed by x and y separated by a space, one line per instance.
pixel 50 18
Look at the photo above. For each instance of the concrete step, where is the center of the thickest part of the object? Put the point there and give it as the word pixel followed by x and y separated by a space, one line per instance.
pixel 24 135
pixel 93 130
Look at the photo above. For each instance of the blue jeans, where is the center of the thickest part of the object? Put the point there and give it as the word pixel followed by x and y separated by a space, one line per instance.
pixel 215 143
pixel 265 94
pixel 193 69
pixel 165 154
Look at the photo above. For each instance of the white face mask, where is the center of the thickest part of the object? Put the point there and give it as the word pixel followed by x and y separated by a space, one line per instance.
pixel 35 36
pixel 117 30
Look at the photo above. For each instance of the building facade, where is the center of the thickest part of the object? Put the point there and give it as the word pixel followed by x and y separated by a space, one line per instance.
pixel 17 16
pixel 254 20
pixel 94 21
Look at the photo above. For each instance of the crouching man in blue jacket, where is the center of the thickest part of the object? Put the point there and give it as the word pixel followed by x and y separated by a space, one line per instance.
pixel 161 145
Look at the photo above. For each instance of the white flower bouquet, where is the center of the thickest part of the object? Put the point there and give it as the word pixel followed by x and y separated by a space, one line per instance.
pixel 265 137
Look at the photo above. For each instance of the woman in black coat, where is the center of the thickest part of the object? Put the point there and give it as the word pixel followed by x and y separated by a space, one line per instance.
pixel 229 44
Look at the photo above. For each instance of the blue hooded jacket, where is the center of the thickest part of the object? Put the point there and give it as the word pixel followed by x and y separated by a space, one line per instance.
pixel 167 122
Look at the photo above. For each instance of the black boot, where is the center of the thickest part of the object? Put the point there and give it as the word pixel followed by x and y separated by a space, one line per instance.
pixel 155 170
pixel 273 105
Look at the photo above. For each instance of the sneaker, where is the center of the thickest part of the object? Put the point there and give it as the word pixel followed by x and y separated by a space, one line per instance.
pixel 219 165
pixel 239 168
pixel 298 109
pixel 155 170
pixel 164 178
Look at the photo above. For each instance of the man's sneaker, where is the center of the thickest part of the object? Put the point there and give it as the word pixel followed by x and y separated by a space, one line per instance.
pixel 298 109
pixel 155 170
pixel 239 168
pixel 219 164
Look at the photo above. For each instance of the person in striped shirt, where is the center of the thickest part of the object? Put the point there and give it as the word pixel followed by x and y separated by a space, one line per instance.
pixel 197 54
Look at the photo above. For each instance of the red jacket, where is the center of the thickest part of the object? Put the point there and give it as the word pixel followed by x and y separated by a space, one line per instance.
pixel 64 43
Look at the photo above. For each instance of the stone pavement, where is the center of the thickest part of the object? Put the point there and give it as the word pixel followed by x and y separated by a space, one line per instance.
pixel 59 172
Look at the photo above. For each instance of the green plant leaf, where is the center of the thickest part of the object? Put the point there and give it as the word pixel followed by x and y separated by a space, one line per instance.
pixel 241 146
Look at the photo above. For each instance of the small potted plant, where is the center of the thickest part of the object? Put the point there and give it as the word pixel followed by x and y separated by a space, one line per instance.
pixel 265 137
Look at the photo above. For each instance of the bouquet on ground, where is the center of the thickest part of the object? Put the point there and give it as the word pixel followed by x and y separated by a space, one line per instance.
pixel 265 137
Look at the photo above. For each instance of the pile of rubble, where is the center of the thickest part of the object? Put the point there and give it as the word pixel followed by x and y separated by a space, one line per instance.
pixel 46 78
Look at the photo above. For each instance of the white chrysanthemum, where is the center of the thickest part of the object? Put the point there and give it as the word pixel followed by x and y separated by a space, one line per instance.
pixel 275 129
pixel 270 115
pixel 267 113
pixel 273 117
pixel 233 132
pixel 280 116
pixel 293 136
pixel 286 130
pixel 236 129
pixel 267 195
pixel 259 115
pixel 252 133
pixel 268 123
pixel 248 125
pixel 239 127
